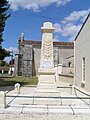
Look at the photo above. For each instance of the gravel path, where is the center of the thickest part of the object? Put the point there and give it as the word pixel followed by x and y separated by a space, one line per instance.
pixel 43 117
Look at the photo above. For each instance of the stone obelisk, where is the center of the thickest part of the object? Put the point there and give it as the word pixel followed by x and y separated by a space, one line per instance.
pixel 47 84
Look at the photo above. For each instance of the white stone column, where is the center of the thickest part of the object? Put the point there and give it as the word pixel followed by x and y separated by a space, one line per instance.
pixel 47 84
pixel 2 99
pixel 47 61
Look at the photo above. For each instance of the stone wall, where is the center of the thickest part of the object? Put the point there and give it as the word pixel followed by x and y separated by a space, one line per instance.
pixel 65 52
pixel 28 60
pixel 24 62
pixel 36 60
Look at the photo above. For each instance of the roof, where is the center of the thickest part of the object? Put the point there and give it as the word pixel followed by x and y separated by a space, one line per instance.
pixel 34 42
pixel 6 68
pixel 82 26
pixel 11 65
pixel 70 56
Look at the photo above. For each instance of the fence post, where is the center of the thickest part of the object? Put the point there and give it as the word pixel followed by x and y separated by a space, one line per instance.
pixel 2 99
pixel 17 88
pixel 89 101
pixel 73 90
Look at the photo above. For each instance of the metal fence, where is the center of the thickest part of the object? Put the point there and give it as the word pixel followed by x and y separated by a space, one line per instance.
pixel 86 97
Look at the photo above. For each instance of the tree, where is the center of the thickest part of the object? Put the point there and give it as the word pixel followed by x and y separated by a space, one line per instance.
pixel 3 63
pixel 11 62
pixel 4 53
pixel 4 6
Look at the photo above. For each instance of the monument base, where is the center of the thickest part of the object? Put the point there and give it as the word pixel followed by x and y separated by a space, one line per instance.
pixel 47 84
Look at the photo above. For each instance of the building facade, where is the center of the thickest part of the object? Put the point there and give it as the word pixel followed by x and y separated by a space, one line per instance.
pixel 27 60
pixel 82 56
pixel 7 70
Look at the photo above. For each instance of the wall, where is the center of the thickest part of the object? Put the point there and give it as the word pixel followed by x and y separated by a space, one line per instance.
pixel 67 70
pixel 82 48
pixel 36 60
pixel 31 51
pixel 23 60
pixel 65 52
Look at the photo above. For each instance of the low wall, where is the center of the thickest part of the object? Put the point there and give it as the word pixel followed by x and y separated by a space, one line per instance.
pixel 66 79
pixel 67 70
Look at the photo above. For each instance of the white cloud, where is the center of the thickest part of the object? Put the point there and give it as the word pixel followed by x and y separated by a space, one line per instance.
pixel 70 29
pixel 58 27
pixel 34 5
pixel 7 59
pixel 71 24
pixel 75 15
pixel 56 38
pixel 12 49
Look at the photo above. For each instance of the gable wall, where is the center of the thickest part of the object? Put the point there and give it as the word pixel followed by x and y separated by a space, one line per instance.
pixel 82 49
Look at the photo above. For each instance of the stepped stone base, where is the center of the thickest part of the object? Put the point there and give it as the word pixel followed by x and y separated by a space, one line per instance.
pixel 48 101
pixel 47 85
pixel 47 93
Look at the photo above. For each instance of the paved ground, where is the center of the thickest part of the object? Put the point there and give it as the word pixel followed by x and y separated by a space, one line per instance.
pixel 43 117
pixel 23 103
pixel 21 108
pixel 46 109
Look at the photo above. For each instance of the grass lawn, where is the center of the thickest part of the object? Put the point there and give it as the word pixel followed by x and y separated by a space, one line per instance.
pixel 10 81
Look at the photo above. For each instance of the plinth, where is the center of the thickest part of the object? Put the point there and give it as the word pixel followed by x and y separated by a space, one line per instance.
pixel 47 83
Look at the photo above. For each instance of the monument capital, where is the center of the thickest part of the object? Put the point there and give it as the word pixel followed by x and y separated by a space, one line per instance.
pixel 47 27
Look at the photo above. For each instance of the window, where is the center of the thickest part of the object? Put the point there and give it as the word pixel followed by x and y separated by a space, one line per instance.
pixel 83 70
pixel 69 64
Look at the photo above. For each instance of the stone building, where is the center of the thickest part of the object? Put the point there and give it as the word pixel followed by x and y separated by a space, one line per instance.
pixel 27 60
pixel 7 69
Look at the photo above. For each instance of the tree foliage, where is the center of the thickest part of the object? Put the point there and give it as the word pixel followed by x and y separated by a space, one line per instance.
pixel 4 53
pixel 4 6
pixel 11 62
pixel 3 63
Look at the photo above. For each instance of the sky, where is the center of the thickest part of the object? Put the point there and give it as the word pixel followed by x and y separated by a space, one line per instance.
pixel 28 16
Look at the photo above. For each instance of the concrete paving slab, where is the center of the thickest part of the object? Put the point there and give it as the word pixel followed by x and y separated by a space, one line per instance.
pixel 78 102
pixel 79 106
pixel 20 100
pixel 79 111
pixel 13 109
pixel 35 106
pixel 60 109
pixel 67 101
pixel 35 109
pixel 2 110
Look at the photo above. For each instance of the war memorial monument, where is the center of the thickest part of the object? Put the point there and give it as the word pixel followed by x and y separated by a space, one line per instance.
pixel 47 85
